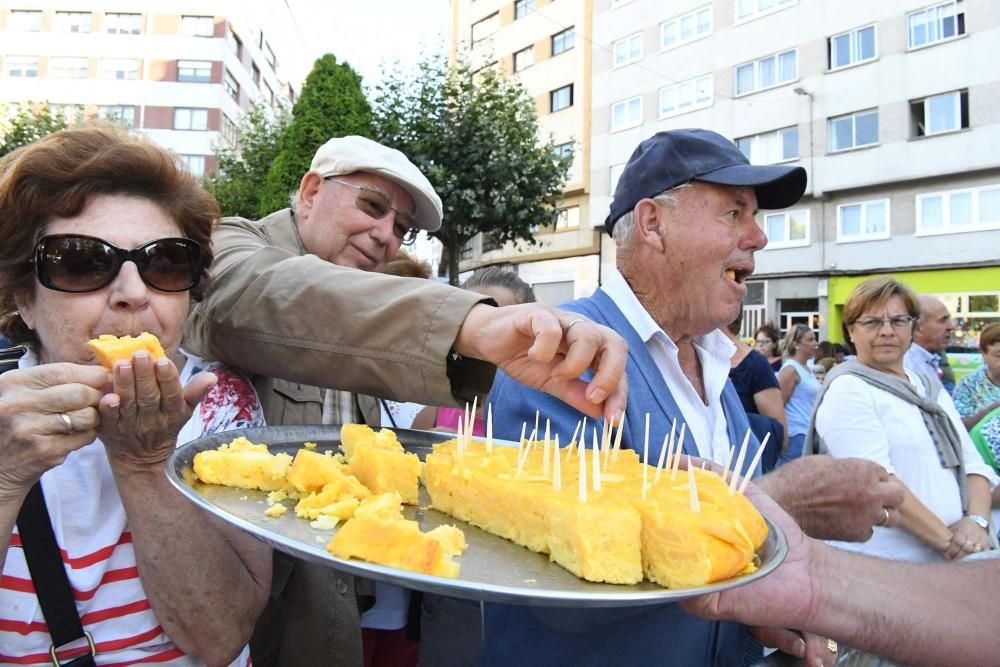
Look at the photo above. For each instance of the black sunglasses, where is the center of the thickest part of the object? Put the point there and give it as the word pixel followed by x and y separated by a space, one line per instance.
pixel 77 263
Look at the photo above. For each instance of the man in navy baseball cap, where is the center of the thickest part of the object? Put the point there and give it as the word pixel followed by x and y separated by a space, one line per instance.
pixel 685 229
pixel 669 159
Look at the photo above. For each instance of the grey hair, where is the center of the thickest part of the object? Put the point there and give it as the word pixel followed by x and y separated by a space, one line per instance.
pixel 623 229
pixel 496 276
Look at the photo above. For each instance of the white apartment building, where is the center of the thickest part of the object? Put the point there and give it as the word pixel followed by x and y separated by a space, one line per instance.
pixel 545 44
pixel 180 72
pixel 893 108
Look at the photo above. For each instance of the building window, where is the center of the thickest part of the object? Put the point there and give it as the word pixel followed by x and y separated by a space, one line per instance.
pixel 522 8
pixel 231 87
pixel 21 66
pixel 486 27
pixel 863 221
pixel 562 150
pixel 72 22
pixel 627 50
pixel 563 41
pixel 750 9
pixel 616 173
pixel 255 72
pixel 24 21
pixel 626 114
pixel 198 26
pixel 190 119
pixel 788 229
pixel 524 58
pixel 122 24
pixel 235 43
pixel 70 113
pixel 686 96
pixel 936 23
pixel 269 56
pixel 971 209
pixel 124 114
pixel 194 71
pixel 686 28
pixel 122 70
pixel 940 113
pixel 854 130
pixel 268 94
pixel 568 218
pixel 194 164
pixel 771 147
pixel 561 98
pixel 230 132
pixel 774 70
pixel 851 48
pixel 68 68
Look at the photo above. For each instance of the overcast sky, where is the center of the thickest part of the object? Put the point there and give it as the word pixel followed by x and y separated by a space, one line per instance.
pixel 367 32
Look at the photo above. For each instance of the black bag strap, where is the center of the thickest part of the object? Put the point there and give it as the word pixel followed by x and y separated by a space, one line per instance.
pixel 48 573
pixel 49 577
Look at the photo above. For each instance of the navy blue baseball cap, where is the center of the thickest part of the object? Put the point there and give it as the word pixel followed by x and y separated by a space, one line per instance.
pixel 672 158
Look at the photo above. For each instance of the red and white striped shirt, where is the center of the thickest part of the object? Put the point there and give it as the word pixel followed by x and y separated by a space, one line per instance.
pixel 93 535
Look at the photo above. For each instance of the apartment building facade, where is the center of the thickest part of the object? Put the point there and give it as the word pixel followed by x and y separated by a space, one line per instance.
pixel 180 72
pixel 545 44
pixel 893 108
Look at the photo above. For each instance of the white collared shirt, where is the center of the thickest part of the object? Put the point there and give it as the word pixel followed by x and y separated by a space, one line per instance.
pixel 920 360
pixel 707 423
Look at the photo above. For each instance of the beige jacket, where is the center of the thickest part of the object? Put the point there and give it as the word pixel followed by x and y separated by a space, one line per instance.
pixel 297 323
pixel 275 311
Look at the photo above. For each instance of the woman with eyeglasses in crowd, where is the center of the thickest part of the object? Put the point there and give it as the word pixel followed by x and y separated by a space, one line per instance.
pixel 798 387
pixel 101 233
pixel 876 409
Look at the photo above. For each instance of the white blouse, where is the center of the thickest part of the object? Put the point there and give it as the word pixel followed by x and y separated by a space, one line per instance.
pixel 856 419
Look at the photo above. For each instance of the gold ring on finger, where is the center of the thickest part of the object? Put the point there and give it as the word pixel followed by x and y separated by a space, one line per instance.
pixel 67 421
pixel 885 517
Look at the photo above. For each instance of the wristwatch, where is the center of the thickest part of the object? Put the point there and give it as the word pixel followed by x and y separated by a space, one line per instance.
pixel 980 521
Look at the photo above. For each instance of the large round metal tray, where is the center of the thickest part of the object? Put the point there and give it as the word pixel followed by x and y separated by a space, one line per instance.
pixel 492 568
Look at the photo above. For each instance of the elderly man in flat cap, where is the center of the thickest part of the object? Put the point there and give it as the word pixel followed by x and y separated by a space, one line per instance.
pixel 683 219
pixel 290 307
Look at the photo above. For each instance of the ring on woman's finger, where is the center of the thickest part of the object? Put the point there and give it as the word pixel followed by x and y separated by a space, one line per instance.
pixel 977 547
pixel 831 645
pixel 574 323
pixel 67 421
pixel 885 517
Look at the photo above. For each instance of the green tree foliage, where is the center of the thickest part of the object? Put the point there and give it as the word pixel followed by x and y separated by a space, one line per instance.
pixel 30 123
pixel 475 136
pixel 242 169
pixel 332 104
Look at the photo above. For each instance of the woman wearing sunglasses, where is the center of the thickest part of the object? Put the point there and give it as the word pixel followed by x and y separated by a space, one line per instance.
pixel 101 233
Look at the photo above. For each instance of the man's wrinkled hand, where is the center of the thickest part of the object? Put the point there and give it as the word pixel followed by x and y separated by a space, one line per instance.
pixel 836 499
pixel 548 349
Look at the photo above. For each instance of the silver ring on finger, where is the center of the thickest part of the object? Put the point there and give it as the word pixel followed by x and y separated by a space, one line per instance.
pixel 977 547
pixel 68 422
pixel 574 323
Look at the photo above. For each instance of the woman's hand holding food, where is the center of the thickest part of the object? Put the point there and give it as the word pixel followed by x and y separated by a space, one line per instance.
pixel 141 417
pixel 46 412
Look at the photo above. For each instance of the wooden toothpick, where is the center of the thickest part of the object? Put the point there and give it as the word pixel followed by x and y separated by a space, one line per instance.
pixel 470 423
pixel 489 428
pixel 645 456
pixel 557 467
pixel 692 489
pixel 582 493
pixel 596 460
pixel 677 452
pixel 545 451
pixel 754 462
pixel 618 438
pixel 739 463
pixel 569 448
pixel 729 460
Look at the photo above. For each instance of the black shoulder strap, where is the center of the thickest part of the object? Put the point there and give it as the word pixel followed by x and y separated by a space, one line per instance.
pixel 48 574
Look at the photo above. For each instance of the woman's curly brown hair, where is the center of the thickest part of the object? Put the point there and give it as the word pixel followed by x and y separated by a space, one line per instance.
pixel 56 176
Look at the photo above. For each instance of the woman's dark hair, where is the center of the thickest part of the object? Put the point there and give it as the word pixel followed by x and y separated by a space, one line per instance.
pixel 57 176
pixel 989 336
pixel 771 333
pixel 494 276
pixel 824 350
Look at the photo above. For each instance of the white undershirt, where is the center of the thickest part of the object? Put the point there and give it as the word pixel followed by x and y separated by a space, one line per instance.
pixel 707 423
